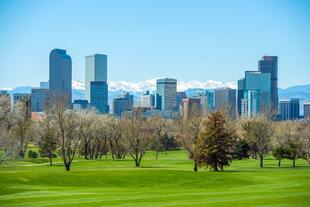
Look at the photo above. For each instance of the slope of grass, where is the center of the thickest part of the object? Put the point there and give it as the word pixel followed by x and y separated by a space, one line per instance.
pixel 168 181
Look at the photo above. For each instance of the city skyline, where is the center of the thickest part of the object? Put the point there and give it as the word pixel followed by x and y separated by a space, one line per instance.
pixel 187 47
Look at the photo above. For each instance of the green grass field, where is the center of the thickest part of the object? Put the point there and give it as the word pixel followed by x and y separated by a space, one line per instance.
pixel 168 181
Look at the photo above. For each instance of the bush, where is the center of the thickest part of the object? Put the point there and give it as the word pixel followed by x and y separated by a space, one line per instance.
pixel 32 154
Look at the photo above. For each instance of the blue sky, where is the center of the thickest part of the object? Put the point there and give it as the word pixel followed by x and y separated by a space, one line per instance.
pixel 187 40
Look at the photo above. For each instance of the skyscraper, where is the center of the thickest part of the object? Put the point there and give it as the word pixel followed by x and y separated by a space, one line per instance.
pixel 180 96
pixel 166 90
pixel 254 93
pixel 307 110
pixel 99 96
pixel 148 100
pixel 269 64
pixel 95 70
pixel 289 109
pixel 191 106
pixel 225 99
pixel 122 104
pixel 60 83
pixel 39 98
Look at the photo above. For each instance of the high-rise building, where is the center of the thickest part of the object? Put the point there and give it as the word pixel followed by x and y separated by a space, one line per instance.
pixel 191 106
pixel 254 94
pixel 39 98
pixel 225 99
pixel 60 72
pixel 147 100
pixel 307 110
pixel 80 104
pixel 96 67
pixel 99 96
pixel 166 90
pixel 269 64
pixel 122 104
pixel 289 109
pixel 180 96
pixel 44 85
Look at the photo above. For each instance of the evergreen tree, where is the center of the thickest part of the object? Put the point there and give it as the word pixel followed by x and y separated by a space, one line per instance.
pixel 48 145
pixel 215 142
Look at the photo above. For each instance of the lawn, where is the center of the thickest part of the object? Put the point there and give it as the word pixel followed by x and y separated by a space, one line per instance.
pixel 168 181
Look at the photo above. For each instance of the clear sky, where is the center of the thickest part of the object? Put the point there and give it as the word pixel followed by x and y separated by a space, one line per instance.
pixel 187 40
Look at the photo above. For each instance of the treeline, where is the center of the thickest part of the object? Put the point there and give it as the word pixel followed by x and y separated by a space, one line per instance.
pixel 211 140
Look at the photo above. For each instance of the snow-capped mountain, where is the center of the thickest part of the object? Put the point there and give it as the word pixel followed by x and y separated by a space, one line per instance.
pixel 150 85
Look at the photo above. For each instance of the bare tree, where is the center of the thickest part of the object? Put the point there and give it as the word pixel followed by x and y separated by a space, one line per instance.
pixel 304 132
pixel 21 126
pixel 68 126
pixel 116 138
pixel 258 131
pixel 137 134
pixel 187 132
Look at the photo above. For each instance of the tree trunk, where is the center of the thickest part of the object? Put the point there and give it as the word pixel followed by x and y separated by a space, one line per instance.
pixel 157 155
pixel 51 162
pixel 67 167
pixel 86 151
pixel 294 163
pixel 261 160
pixel 279 163
pixel 222 168
pixel 195 166
pixel 215 168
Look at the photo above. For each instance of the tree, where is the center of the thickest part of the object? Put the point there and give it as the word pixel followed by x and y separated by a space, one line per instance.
pixel 68 130
pixel 137 134
pixel 187 130
pixel 116 138
pixel 241 150
pixel 160 132
pixel 258 131
pixel 215 142
pixel 280 153
pixel 304 133
pixel 21 125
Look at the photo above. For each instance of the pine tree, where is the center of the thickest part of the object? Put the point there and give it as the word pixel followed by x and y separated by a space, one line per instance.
pixel 48 145
pixel 215 142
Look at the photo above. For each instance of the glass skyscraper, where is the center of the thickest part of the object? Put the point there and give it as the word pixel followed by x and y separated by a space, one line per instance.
pixel 253 94
pixel 95 70
pixel 289 109
pixel 225 99
pixel 99 96
pixel 60 72
pixel 122 104
pixel 269 64
pixel 166 90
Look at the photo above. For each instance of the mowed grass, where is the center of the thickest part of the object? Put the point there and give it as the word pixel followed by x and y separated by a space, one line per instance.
pixel 168 181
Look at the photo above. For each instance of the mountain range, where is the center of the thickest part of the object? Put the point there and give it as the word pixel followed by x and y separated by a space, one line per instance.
pixel 116 88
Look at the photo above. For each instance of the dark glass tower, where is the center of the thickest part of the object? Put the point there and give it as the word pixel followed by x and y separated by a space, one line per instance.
pixel 60 83
pixel 269 64
pixel 99 96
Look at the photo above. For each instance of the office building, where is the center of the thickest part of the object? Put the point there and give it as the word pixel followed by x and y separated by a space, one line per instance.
pixel 225 99
pixel 180 96
pixel 269 64
pixel 147 100
pixel 44 85
pixel 191 106
pixel 99 96
pixel 80 104
pixel 289 109
pixel 307 110
pixel 95 70
pixel 39 99
pixel 254 94
pixel 122 104
pixel 166 90
pixel 60 73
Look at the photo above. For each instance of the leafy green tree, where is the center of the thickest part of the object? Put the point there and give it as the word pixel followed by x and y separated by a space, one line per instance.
pixel 215 142
pixel 48 146
pixel 280 153
pixel 241 150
